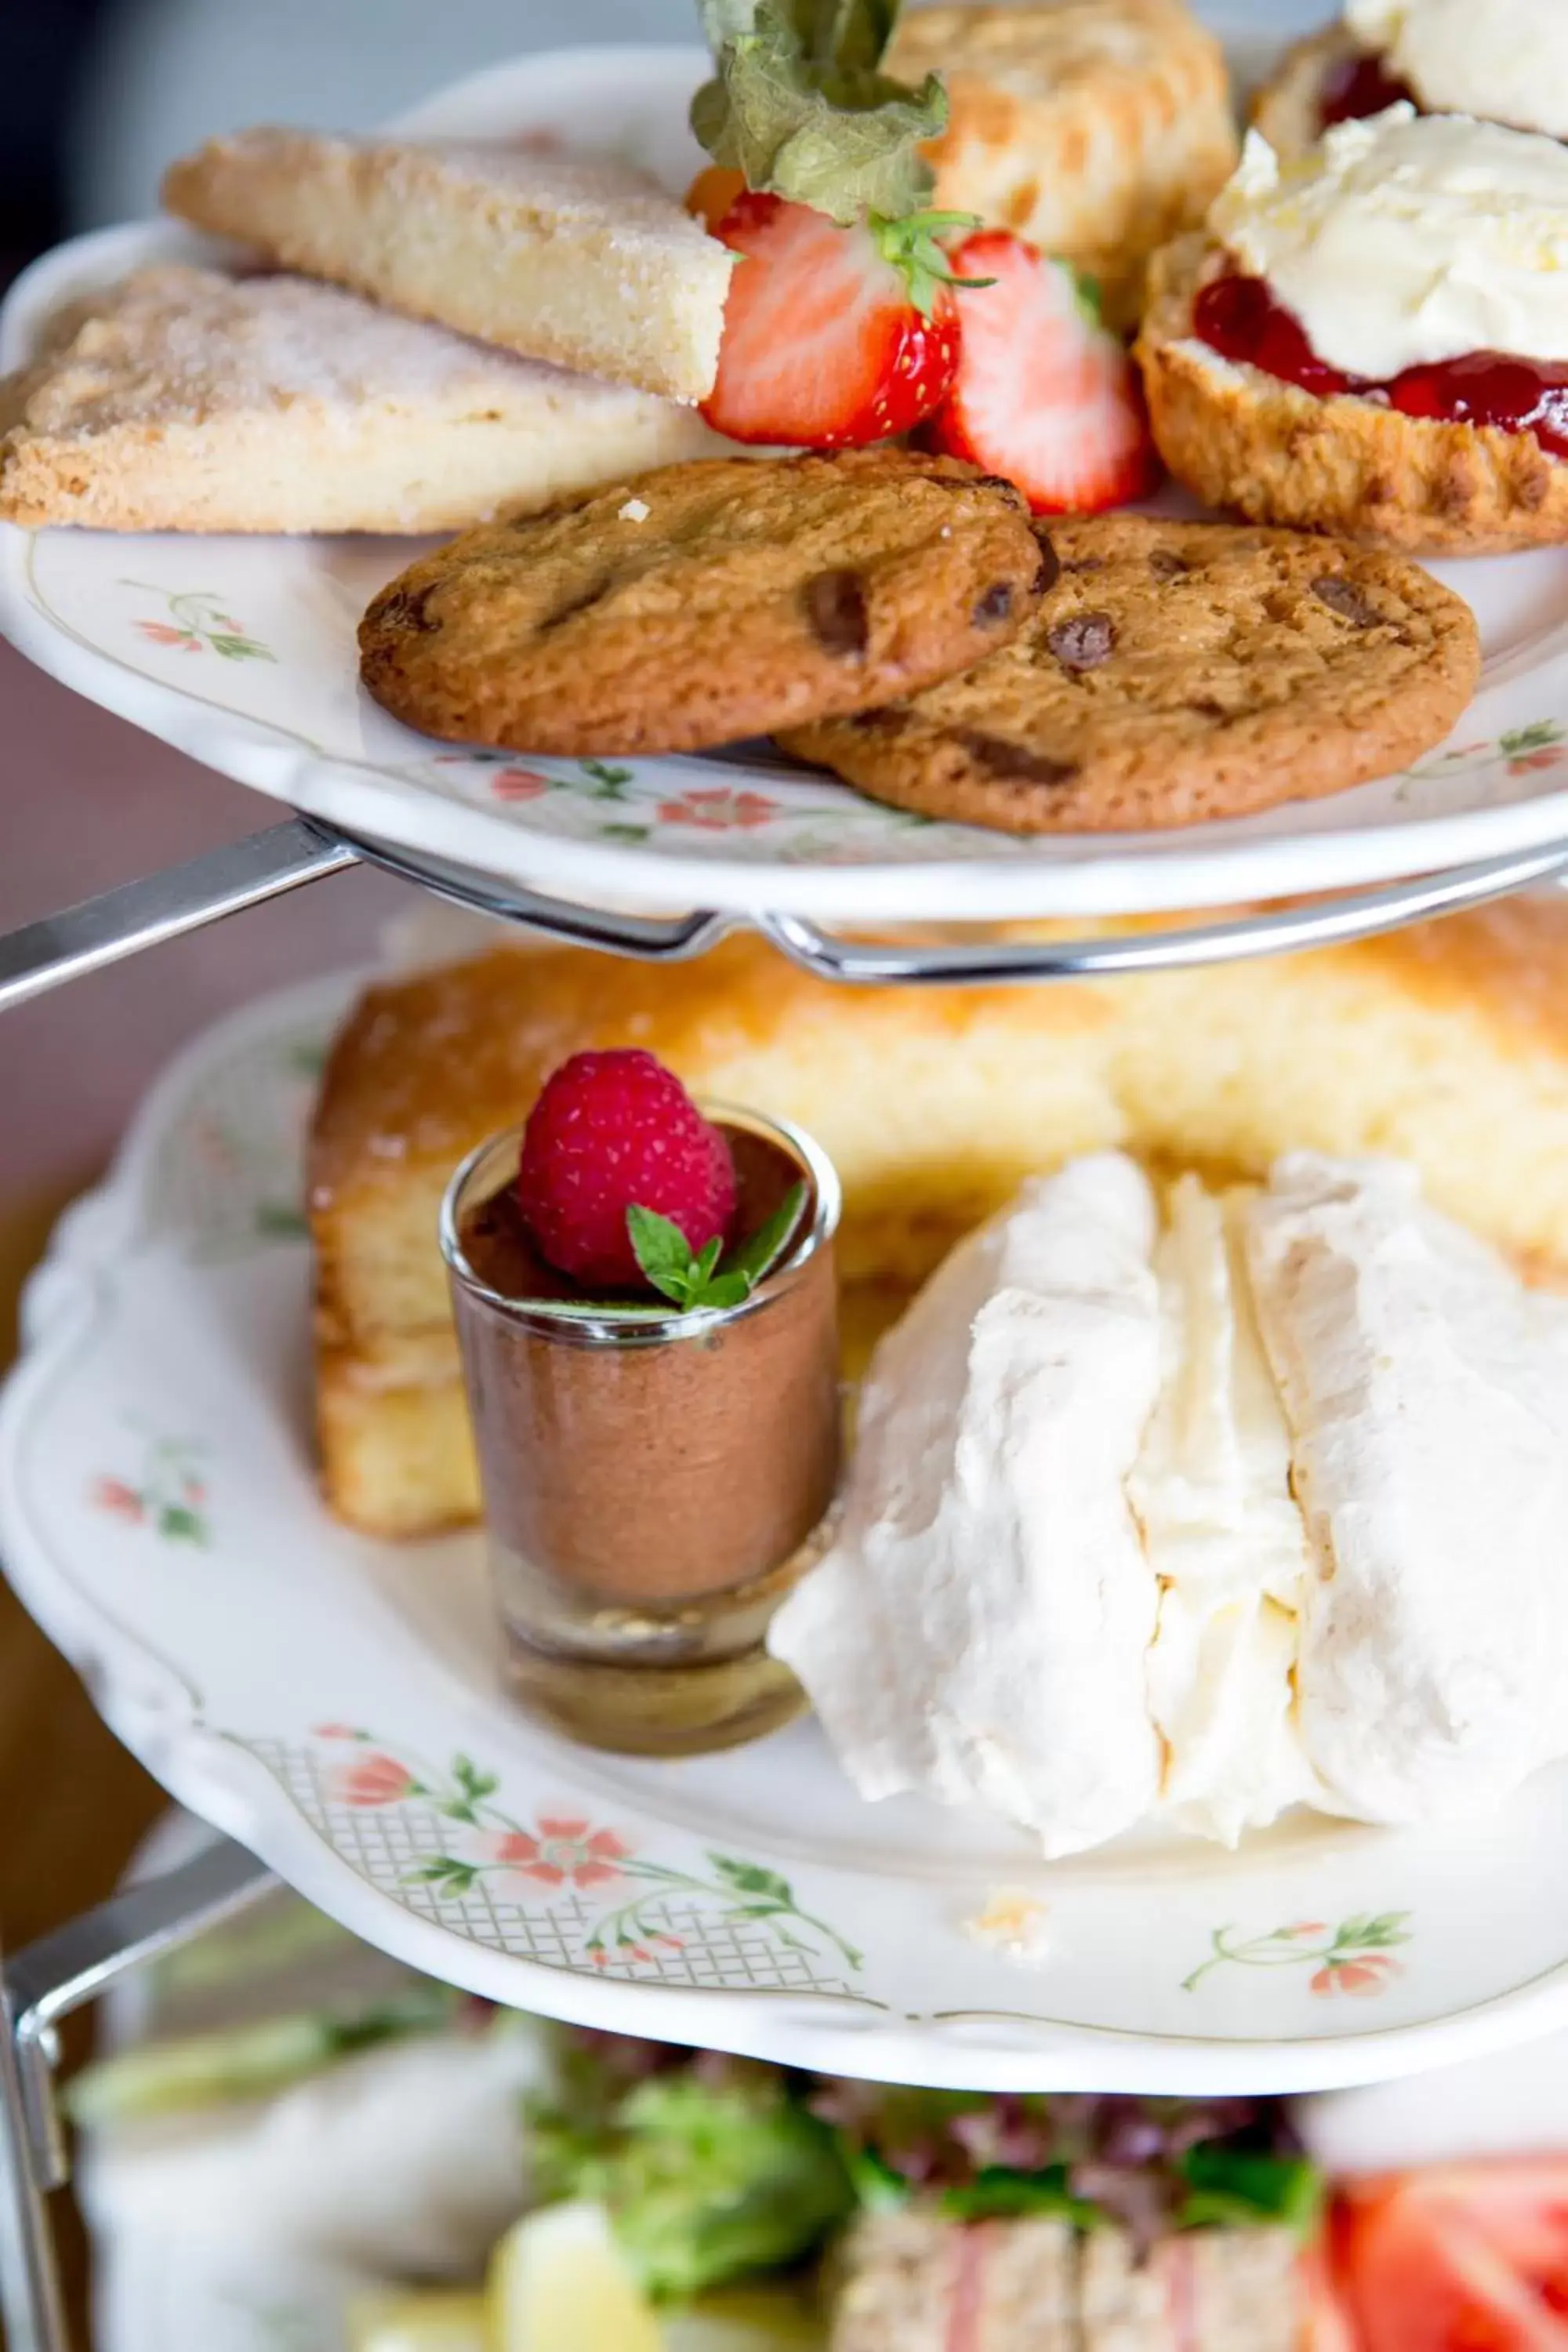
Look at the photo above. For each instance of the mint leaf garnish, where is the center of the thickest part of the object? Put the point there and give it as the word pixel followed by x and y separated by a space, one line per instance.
pixel 768 1243
pixel 695 1279
pixel 664 1255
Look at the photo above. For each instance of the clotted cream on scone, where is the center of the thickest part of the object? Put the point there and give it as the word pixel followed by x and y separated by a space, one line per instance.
pixel 1506 62
pixel 1372 340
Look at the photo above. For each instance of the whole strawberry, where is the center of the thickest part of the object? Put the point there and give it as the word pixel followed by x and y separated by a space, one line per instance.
pixel 612 1131
pixel 835 336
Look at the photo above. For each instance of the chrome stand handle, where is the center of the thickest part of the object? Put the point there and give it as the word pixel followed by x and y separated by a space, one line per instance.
pixel 47 1981
pixel 118 923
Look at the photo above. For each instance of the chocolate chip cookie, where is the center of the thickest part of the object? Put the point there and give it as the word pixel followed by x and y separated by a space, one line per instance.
pixel 705 603
pixel 1175 671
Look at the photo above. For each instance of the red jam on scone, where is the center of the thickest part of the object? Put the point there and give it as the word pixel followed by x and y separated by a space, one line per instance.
pixel 1416 261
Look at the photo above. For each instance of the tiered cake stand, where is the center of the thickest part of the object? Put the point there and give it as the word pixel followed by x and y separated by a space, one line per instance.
pixel 206 649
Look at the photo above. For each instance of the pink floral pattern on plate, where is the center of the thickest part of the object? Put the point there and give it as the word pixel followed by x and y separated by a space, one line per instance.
pixel 563 1853
pixel 167 1496
pixel 197 623
pixel 1354 1957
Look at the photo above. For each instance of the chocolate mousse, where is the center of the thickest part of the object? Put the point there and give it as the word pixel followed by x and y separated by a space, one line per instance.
pixel 655 1479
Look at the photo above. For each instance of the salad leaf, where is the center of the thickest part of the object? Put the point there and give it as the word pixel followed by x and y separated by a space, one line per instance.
pixel 1230 2187
pixel 711 2173
pixel 997 2192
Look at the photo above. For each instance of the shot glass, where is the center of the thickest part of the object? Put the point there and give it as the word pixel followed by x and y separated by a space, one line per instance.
pixel 653 1480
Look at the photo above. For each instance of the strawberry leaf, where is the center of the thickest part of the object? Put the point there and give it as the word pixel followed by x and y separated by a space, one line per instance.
pixel 801 110
pixel 912 245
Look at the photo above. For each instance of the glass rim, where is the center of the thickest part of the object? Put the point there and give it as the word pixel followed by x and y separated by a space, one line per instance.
pixel 572 1321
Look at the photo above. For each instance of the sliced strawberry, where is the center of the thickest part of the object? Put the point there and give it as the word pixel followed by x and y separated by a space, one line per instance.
pixel 1456 2259
pixel 833 337
pixel 1045 395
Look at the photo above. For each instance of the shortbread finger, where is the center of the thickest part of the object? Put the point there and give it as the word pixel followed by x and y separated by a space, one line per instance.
pixel 589 264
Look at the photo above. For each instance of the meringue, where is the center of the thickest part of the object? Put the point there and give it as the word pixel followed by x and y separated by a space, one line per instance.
pixel 1224 1536
pixel 1261 1503
pixel 1427 1395
pixel 979 1629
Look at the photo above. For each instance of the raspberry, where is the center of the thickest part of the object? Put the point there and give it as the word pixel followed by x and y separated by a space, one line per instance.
pixel 611 1131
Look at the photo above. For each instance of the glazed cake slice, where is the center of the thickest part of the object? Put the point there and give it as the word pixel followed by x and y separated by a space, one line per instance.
pixel 186 400
pixel 587 264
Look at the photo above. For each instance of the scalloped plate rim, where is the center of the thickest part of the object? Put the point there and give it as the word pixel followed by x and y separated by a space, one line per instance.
pixel 205 1768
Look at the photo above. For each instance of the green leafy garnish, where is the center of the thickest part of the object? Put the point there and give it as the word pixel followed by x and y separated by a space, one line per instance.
pixel 1229 2188
pixel 997 2192
pixel 800 107
pixel 706 2179
pixel 694 1279
pixel 880 2186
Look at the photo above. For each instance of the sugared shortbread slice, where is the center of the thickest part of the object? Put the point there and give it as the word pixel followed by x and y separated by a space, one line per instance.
pixel 590 264
pixel 184 400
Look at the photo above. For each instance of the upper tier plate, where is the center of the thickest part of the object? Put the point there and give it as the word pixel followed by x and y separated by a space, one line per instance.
pixel 241 652
pixel 335 1705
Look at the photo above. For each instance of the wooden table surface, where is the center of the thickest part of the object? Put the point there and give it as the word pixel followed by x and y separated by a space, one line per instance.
pixel 73 1802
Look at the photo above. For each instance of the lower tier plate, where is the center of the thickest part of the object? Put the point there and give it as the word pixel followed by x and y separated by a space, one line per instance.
pixel 335 1704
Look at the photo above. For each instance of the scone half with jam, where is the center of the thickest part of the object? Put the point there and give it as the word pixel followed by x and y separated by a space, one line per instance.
pixel 1372 340
pixel 1506 62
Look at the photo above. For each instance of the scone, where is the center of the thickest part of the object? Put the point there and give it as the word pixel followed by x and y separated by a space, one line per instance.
pixel 187 400
pixel 589 264
pixel 1325 78
pixel 934 1104
pixel 692 606
pixel 1175 671
pixel 1505 62
pixel 1096 129
pixel 1373 340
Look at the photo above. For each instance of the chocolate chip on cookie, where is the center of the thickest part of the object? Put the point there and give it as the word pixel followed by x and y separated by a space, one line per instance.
pixel 1083 642
pixel 748 595
pixel 1175 671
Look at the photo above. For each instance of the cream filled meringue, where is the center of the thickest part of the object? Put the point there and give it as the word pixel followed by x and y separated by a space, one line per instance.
pixel 979 1629
pixel 1203 1516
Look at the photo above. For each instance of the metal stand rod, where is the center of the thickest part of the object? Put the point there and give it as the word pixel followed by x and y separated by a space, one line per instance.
pixel 1325 922
pixel 141 914
pixel 60 1973
pixel 119 923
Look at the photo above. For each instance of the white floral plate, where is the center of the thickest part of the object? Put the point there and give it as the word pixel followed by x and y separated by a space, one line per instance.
pixel 333 1702
pixel 241 652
